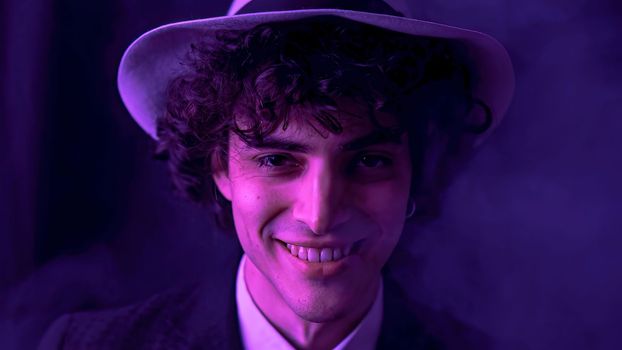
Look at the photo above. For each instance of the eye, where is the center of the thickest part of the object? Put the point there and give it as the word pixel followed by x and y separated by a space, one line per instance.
pixel 374 161
pixel 275 161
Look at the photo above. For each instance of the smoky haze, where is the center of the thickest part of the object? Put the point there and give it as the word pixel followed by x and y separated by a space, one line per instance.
pixel 526 250
pixel 528 247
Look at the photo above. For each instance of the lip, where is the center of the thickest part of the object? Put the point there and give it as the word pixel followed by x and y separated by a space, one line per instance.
pixel 320 244
pixel 318 270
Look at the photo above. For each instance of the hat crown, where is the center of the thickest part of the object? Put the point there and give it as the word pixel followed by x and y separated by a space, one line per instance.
pixel 153 60
pixel 394 7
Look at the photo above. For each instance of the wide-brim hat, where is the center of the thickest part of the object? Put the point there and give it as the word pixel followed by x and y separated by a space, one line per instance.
pixel 153 60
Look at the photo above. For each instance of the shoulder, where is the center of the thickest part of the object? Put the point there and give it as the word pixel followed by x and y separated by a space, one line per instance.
pixel 411 325
pixel 152 324
pixel 201 313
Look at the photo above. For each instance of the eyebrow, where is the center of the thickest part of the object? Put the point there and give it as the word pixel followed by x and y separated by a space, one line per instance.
pixel 377 137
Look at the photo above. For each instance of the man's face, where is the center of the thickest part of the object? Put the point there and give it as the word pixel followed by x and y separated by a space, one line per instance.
pixel 319 217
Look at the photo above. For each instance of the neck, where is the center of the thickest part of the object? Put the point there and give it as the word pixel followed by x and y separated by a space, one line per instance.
pixel 302 334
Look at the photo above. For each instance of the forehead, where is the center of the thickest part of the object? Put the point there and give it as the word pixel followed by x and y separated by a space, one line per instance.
pixel 305 134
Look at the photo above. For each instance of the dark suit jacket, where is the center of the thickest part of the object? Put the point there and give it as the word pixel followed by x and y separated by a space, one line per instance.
pixel 204 316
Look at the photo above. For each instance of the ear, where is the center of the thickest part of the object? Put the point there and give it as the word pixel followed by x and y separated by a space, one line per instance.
pixel 221 178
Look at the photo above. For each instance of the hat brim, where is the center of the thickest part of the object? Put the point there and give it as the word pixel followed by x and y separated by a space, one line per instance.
pixel 154 59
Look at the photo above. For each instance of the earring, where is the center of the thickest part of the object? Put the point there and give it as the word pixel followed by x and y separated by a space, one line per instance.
pixel 411 212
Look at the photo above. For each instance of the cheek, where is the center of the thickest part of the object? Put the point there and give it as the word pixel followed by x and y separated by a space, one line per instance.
pixel 386 207
pixel 386 203
pixel 253 205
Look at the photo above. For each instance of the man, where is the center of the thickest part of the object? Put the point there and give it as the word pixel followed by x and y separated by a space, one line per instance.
pixel 314 129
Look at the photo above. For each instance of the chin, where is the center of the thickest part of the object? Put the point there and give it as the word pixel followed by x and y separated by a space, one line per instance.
pixel 319 307
pixel 317 313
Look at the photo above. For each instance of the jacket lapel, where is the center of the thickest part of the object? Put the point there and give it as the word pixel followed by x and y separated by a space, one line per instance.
pixel 401 328
pixel 213 321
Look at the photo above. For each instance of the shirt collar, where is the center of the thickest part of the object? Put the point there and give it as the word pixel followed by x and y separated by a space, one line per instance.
pixel 258 334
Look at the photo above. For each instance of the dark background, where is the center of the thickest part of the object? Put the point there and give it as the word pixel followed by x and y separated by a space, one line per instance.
pixel 528 248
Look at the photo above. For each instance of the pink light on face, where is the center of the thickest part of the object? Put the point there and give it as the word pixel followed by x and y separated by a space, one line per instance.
pixel 346 192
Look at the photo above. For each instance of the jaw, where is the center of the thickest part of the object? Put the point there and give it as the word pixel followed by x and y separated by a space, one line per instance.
pixel 313 292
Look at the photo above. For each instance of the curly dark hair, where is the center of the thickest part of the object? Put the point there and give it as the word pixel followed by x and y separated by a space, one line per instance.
pixel 264 72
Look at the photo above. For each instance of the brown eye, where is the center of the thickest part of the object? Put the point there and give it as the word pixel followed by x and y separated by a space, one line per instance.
pixel 374 161
pixel 274 161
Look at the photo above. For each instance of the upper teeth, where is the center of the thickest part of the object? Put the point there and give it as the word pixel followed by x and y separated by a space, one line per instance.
pixel 319 254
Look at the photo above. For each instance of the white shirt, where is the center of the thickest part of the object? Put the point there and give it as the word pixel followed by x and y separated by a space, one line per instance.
pixel 258 334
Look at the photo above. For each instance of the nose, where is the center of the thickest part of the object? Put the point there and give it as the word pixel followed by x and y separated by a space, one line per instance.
pixel 320 202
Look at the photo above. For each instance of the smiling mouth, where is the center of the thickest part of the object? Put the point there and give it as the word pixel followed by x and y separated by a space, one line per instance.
pixel 321 255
